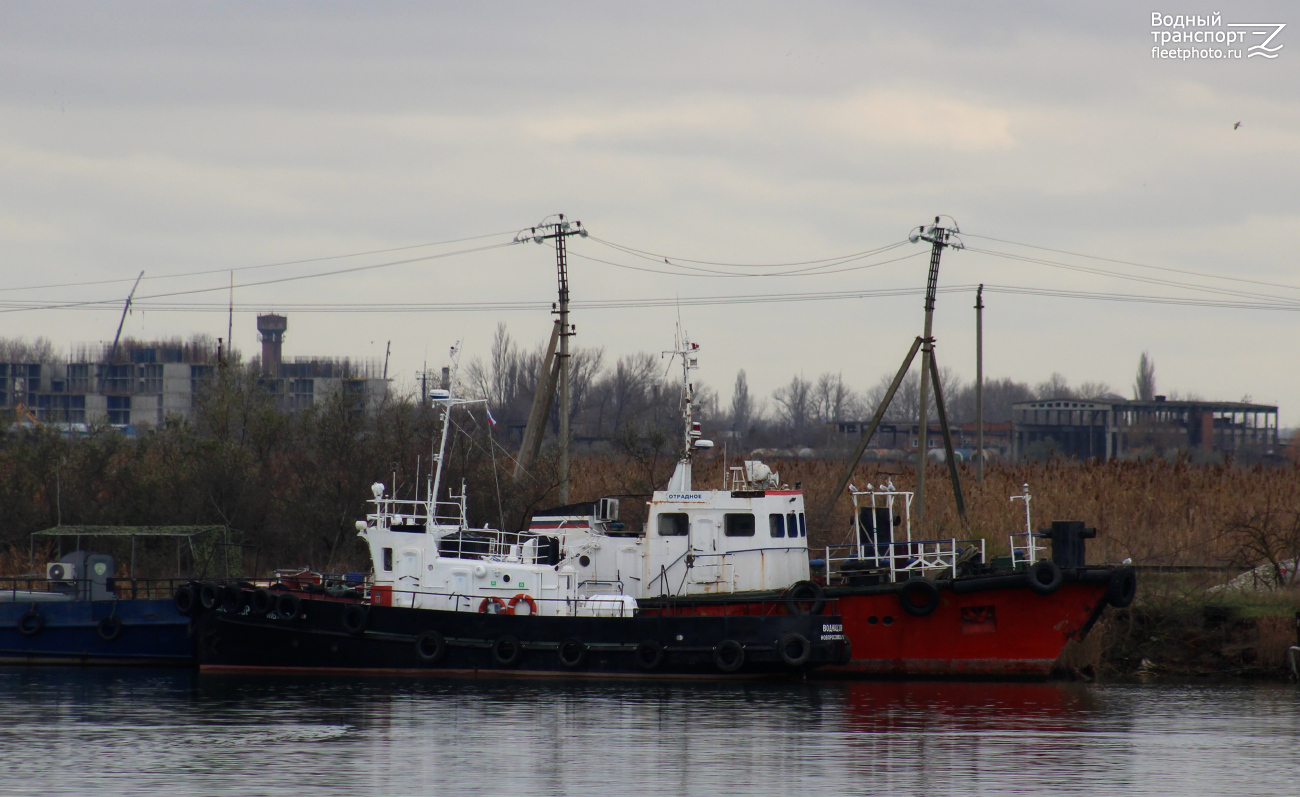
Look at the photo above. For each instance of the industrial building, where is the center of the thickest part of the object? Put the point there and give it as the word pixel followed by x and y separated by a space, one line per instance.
pixel 905 437
pixel 1115 428
pixel 142 383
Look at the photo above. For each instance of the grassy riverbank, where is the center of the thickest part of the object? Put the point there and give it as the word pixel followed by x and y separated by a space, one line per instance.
pixel 1177 628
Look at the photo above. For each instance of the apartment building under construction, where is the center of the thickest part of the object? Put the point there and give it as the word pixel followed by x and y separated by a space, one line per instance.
pixel 141 383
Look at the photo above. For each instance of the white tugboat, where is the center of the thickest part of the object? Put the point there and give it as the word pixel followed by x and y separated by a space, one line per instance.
pixel 559 597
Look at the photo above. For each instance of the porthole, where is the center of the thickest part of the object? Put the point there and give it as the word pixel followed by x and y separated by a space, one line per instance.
pixel 873 619
pixel 889 620
pixel 584 561
pixel 506 578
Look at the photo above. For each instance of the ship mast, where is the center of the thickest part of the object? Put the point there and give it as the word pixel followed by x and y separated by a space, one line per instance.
pixel 689 352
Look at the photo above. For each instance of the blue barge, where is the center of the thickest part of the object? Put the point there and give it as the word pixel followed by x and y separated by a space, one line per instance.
pixel 81 615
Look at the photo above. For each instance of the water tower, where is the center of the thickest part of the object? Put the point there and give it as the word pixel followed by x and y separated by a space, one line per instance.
pixel 271 330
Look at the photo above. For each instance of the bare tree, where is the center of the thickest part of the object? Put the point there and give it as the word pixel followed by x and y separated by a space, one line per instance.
pixel 18 350
pixel 1092 390
pixel 1056 386
pixel 623 396
pixel 1144 389
pixel 906 401
pixel 795 405
pixel 833 400
pixel 742 406
pixel 1267 538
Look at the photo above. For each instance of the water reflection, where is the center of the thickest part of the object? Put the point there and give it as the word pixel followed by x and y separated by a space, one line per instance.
pixel 126 732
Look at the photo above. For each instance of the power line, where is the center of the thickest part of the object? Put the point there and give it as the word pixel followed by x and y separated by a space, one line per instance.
pixel 354 269
pixel 710 273
pixel 263 265
pixel 1130 277
pixel 704 301
pixel 656 256
pixel 1139 265
pixel 1141 299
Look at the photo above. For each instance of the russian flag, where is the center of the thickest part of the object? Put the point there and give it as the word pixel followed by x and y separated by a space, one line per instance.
pixel 491 420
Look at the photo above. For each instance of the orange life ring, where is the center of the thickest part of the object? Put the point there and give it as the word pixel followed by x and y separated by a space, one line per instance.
pixel 524 597
pixel 500 604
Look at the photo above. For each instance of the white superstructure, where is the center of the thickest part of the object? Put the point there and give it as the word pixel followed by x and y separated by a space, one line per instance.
pixel 749 535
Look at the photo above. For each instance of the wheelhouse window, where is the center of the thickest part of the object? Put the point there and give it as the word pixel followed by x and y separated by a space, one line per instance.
pixel 388 559
pixel 776 524
pixel 674 524
pixel 739 524
pixel 803 529
pixel 795 523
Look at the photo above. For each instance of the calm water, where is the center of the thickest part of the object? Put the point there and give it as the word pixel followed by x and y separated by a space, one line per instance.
pixel 108 732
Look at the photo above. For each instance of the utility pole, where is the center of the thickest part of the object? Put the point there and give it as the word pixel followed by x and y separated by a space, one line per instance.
pixel 938 238
pixel 979 384
pixel 558 231
pixel 230 317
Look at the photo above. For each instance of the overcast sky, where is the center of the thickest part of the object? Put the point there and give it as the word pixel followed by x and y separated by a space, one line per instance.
pixel 181 137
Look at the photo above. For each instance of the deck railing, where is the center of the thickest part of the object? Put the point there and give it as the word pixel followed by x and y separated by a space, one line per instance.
pixel 12 588
pixel 890 559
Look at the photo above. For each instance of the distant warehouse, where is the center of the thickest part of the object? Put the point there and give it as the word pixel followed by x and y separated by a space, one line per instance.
pixel 1116 428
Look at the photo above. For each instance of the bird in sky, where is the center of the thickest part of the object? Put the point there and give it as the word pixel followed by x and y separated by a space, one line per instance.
pixel 1238 124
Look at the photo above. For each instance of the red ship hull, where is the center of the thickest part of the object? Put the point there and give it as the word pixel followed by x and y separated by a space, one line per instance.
pixel 980 627
pixel 996 633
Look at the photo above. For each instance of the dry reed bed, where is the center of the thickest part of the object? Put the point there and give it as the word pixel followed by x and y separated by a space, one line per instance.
pixel 1155 512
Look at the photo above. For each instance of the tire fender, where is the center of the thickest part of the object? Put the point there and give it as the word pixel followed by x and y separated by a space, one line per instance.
pixel 507 650
pixel 288 606
pixel 649 654
pixel 572 652
pixel 805 597
pixel 109 628
pixel 1045 578
pixel 430 647
pixel 795 649
pixel 31 623
pixel 729 655
pixel 919 597
pixel 1121 589
pixel 355 618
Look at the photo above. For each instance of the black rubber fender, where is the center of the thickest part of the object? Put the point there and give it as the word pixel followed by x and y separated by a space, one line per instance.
pixel 649 654
pixel 507 650
pixel 185 600
pixel 209 596
pixel 1122 587
pixel 1045 578
pixel 966 586
pixel 729 655
pixel 288 605
pixel 805 597
pixel 109 628
pixel 1092 575
pixel 430 647
pixel 232 599
pixel 919 597
pixel 573 653
pixel 795 649
pixel 31 623
pixel 846 652
pixel 355 618
pixel 262 602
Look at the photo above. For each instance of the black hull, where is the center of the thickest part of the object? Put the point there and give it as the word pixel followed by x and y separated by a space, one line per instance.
pixel 398 640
